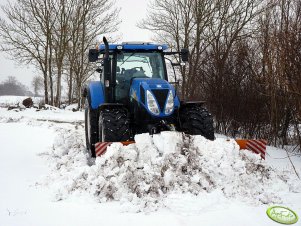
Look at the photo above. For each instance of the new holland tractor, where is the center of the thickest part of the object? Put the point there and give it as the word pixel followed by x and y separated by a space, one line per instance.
pixel 134 96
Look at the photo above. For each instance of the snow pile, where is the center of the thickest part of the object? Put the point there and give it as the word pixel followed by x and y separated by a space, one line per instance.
pixel 146 174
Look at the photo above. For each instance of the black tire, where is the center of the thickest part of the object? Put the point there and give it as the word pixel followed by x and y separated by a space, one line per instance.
pixel 91 128
pixel 196 120
pixel 114 125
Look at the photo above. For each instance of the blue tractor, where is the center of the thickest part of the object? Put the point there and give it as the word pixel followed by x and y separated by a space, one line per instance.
pixel 134 96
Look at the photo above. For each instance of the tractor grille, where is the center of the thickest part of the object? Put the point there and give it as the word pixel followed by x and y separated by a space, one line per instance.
pixel 160 95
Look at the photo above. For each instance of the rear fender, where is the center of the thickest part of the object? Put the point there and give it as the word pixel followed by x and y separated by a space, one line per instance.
pixel 95 93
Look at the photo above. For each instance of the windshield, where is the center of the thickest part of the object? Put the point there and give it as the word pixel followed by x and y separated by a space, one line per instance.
pixel 140 65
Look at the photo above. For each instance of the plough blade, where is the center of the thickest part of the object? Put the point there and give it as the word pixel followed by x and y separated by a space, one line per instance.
pixel 101 147
pixel 256 146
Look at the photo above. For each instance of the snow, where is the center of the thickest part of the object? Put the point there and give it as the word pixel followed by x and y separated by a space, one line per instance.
pixel 54 115
pixel 21 168
pixel 142 176
pixel 71 107
pixel 47 177
pixel 13 100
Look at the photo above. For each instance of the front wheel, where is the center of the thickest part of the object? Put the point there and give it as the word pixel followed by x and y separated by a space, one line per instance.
pixel 113 125
pixel 91 128
pixel 196 120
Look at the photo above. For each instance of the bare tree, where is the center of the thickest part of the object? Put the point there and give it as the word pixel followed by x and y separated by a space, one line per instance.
pixel 245 61
pixel 40 32
pixel 210 29
pixel 87 21
pixel 22 35
pixel 201 26
pixel 181 24
pixel 279 43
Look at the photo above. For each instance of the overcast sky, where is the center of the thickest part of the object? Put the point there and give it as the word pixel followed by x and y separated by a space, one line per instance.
pixel 132 11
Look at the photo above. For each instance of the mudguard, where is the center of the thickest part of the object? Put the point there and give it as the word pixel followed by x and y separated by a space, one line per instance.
pixel 95 92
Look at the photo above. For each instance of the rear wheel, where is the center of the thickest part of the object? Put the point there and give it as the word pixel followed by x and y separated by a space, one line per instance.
pixel 196 120
pixel 91 128
pixel 114 125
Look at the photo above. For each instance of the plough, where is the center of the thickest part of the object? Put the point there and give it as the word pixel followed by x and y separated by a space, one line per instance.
pixel 255 146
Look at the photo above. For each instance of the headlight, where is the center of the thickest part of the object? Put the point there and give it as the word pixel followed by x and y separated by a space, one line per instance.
pixel 151 103
pixel 169 103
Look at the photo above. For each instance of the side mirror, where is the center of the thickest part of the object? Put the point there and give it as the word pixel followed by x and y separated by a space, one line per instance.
pixel 184 55
pixel 93 55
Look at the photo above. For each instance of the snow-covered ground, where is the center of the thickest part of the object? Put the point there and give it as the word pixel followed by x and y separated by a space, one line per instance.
pixel 47 178
pixel 56 115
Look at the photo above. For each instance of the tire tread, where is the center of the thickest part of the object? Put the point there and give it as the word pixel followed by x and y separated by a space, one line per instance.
pixel 196 120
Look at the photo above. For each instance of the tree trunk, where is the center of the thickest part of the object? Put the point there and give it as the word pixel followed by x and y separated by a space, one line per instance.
pixel 58 87
pixel 45 88
pixel 70 85
pixel 51 79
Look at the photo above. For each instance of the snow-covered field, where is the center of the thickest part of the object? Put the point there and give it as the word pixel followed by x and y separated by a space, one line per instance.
pixel 47 178
pixel 13 100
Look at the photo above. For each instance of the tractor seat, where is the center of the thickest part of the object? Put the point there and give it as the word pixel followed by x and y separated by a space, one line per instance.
pixel 138 74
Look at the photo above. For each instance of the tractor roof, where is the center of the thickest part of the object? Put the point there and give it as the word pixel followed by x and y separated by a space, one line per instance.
pixel 134 46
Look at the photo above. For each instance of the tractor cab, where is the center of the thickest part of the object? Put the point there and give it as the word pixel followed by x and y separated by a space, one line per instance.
pixel 131 65
pixel 122 63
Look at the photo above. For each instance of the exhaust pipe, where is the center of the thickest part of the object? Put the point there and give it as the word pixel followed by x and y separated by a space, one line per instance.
pixel 107 72
pixel 106 47
pixel 110 80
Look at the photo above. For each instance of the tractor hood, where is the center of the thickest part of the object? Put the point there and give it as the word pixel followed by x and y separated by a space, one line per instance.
pixel 157 96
